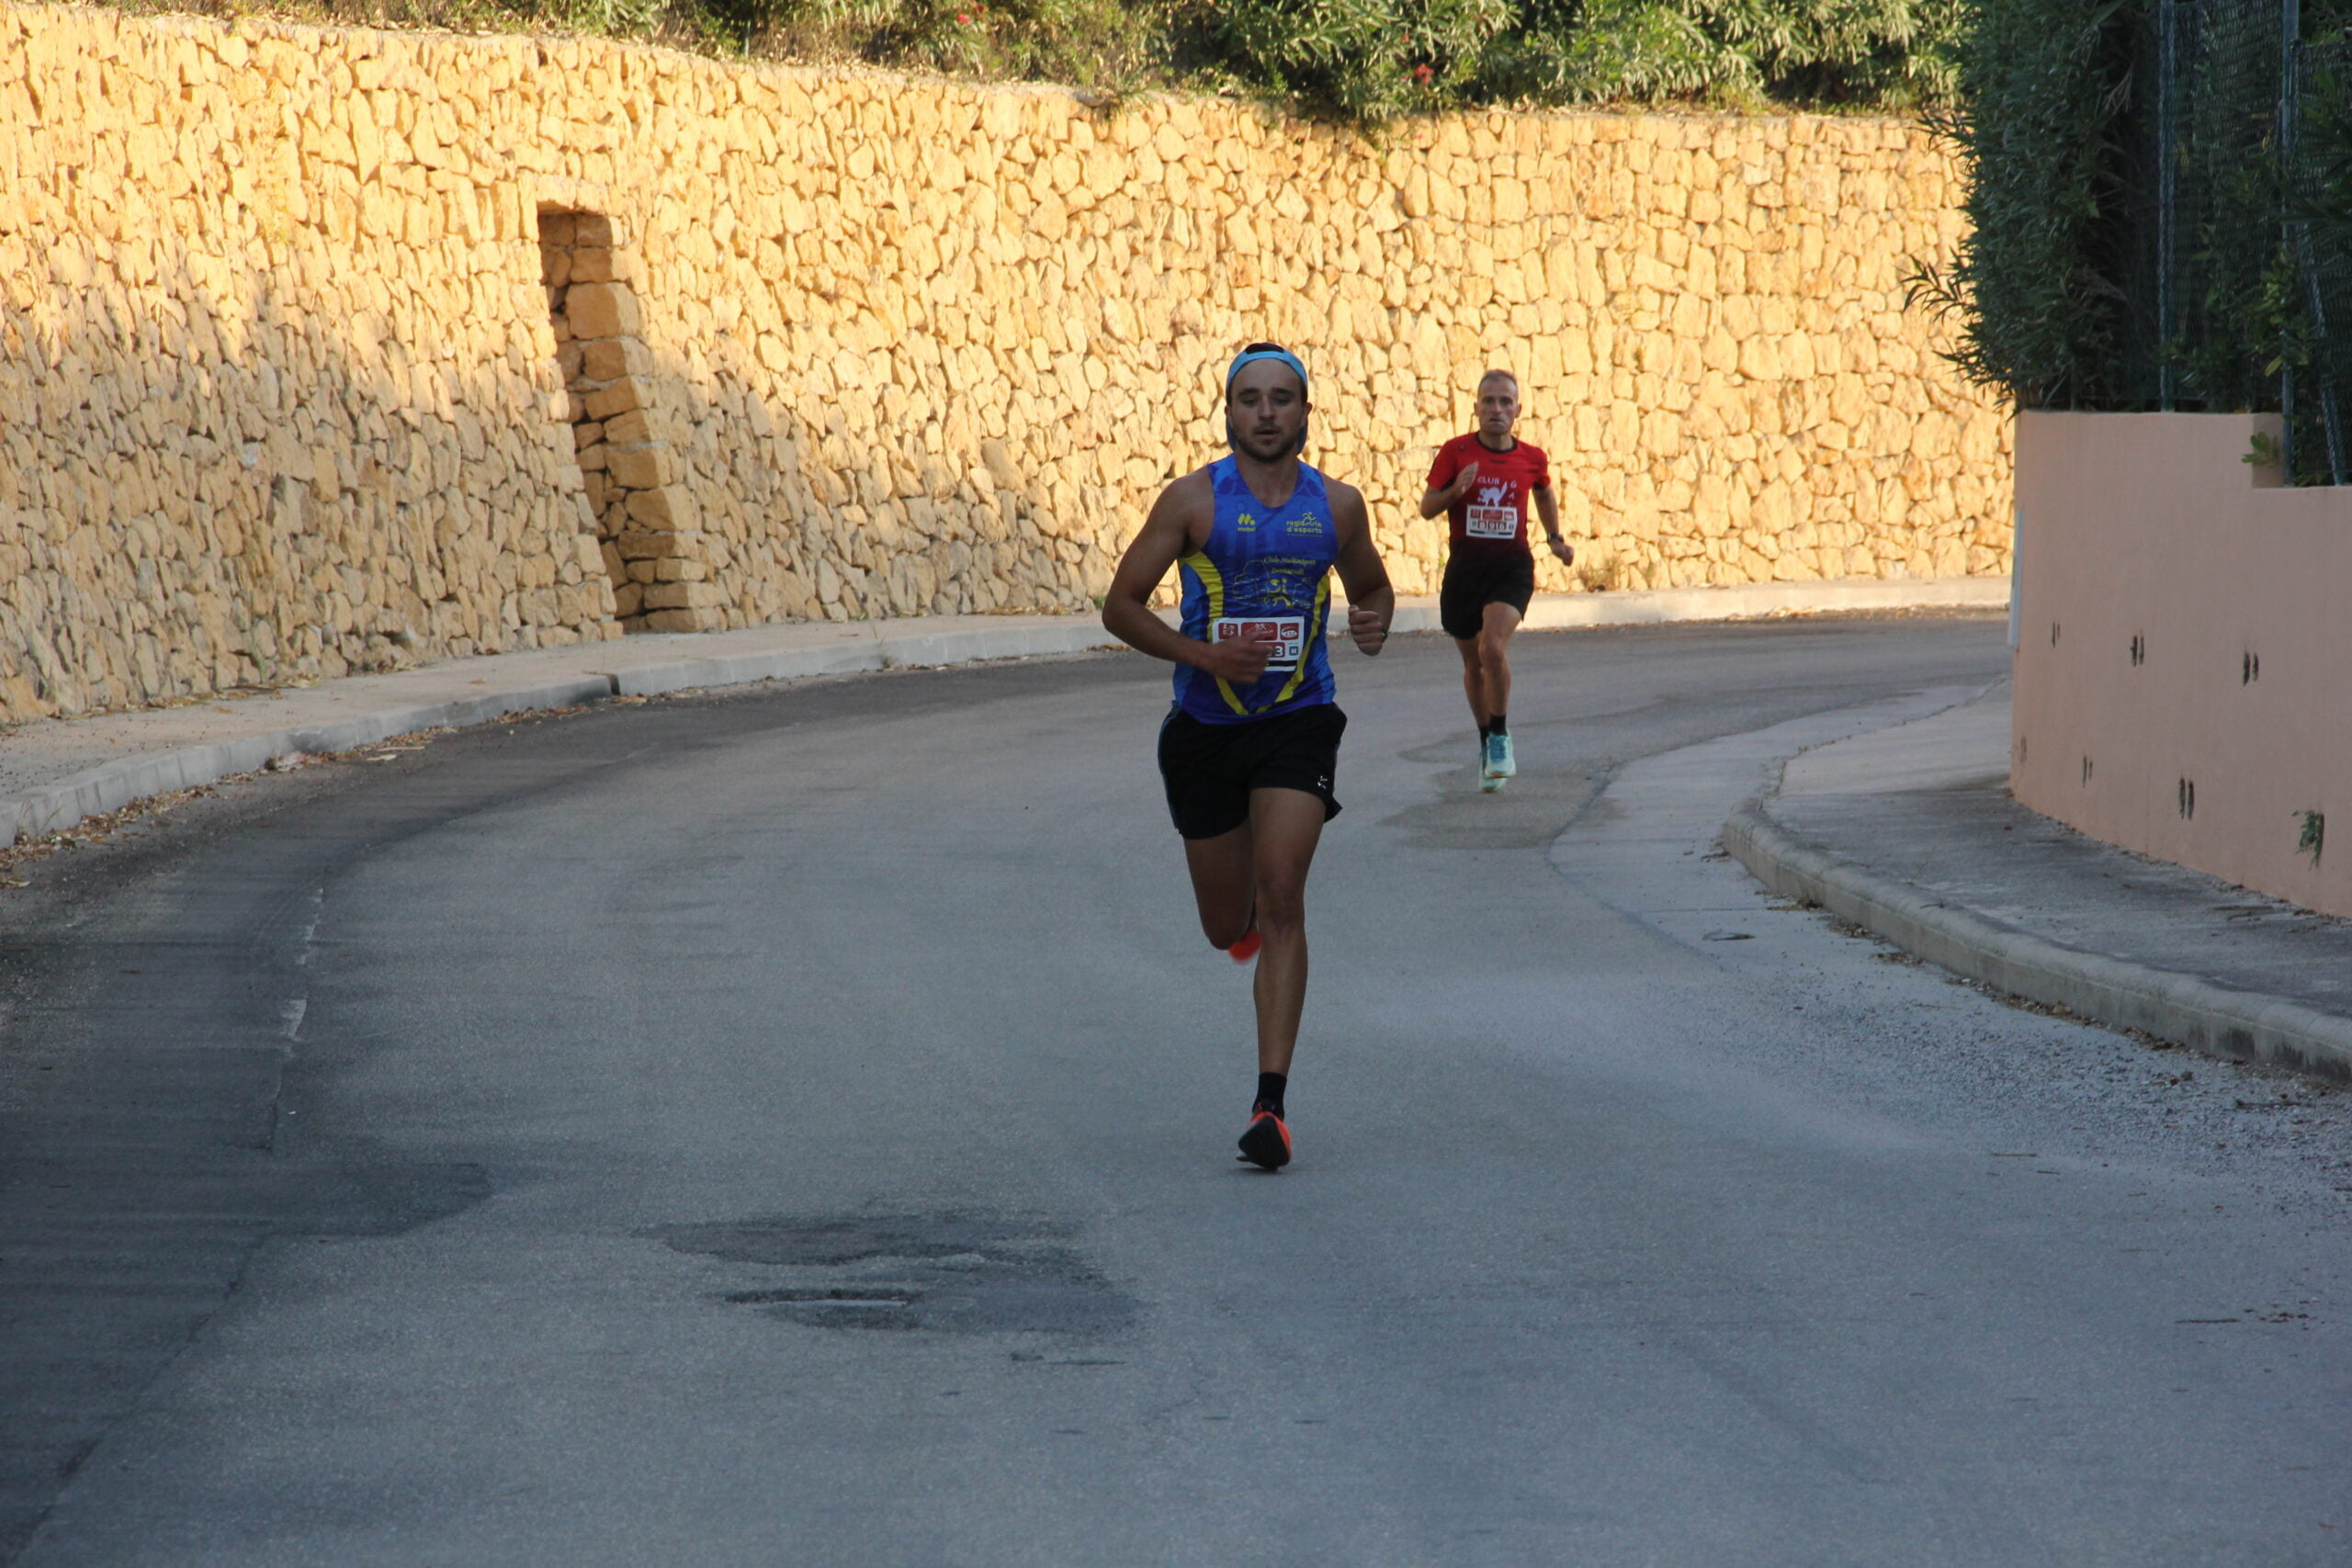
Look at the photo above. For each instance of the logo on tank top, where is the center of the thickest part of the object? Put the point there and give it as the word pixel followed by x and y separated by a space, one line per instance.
pixel 1492 515
pixel 1305 523
pixel 1246 524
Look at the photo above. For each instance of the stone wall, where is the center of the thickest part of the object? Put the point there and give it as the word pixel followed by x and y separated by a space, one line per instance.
pixel 294 376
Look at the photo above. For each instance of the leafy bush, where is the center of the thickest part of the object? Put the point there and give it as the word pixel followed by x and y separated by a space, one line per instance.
pixel 1088 44
pixel 2040 84
pixel 1360 61
pixel 1876 53
pixel 1359 58
pixel 2143 234
pixel 1635 50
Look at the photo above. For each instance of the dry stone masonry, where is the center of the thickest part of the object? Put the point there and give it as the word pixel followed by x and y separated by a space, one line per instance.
pixel 629 461
pixel 327 349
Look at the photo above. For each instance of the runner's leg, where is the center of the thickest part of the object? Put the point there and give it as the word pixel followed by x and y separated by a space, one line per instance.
pixel 1223 883
pixel 1473 680
pixel 1494 663
pixel 1285 826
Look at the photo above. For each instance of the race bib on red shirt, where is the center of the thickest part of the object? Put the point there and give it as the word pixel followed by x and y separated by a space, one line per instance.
pixel 1491 523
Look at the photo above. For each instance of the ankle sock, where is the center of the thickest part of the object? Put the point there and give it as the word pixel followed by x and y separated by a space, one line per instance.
pixel 1270 1092
pixel 1496 725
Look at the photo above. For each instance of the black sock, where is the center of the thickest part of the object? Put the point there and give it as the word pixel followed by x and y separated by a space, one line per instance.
pixel 1482 732
pixel 1270 1092
pixel 1496 725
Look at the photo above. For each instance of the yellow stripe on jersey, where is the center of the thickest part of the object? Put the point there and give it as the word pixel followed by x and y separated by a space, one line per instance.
pixel 1315 628
pixel 1212 583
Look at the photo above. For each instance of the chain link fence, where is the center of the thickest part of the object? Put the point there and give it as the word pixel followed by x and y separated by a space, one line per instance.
pixel 2234 264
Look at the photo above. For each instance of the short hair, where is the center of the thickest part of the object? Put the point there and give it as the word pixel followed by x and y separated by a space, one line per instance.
pixel 1499 375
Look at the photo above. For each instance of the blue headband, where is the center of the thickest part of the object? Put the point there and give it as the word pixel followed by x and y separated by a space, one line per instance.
pixel 1283 355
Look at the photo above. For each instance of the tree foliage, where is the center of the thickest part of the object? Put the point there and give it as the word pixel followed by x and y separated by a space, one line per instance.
pixel 2142 230
pixel 1360 61
pixel 2041 85
pixel 1365 58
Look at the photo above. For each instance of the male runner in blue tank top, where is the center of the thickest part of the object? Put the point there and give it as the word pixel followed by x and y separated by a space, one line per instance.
pixel 1249 751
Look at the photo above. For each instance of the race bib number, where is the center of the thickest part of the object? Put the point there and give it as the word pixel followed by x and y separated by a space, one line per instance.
pixel 1492 523
pixel 1289 633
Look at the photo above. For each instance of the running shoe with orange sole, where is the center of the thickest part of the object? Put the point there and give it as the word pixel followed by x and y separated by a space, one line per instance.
pixel 1265 1143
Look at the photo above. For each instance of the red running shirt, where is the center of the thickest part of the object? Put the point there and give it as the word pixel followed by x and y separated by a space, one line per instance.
pixel 1492 519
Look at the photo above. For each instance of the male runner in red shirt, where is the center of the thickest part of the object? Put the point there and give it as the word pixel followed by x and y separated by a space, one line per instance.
pixel 1483 482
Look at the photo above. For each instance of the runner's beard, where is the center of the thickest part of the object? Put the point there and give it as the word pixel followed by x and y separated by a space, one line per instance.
pixel 1233 438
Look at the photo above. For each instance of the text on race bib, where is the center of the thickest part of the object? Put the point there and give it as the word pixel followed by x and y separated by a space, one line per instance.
pixel 1289 633
pixel 1492 523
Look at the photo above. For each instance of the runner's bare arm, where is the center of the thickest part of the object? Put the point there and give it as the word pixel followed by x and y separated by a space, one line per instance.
pixel 1547 511
pixel 1372 602
pixel 1437 498
pixel 1179 520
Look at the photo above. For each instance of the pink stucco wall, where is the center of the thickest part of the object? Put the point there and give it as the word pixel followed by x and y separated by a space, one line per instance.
pixel 2148 527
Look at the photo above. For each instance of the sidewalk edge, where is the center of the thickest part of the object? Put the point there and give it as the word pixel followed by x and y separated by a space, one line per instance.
pixel 888 645
pixel 117 785
pixel 2217 1019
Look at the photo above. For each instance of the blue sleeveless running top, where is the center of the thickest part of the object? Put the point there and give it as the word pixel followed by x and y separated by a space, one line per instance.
pixel 1261 566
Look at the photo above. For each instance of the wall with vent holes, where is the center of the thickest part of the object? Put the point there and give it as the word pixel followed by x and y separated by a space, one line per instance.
pixel 303 369
pixel 2182 648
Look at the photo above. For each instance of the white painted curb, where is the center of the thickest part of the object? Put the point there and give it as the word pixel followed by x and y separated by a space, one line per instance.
pixel 2187 1009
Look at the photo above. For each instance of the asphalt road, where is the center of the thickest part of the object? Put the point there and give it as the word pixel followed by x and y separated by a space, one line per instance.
pixel 795 1126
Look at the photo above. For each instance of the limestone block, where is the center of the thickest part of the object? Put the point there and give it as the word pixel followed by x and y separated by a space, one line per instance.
pixel 613 358
pixel 668 507
pixel 642 468
pixel 621 397
pixel 638 545
pixel 601 310
pixel 683 596
pixel 679 620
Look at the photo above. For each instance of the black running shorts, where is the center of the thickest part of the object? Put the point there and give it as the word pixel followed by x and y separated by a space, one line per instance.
pixel 1210 769
pixel 1473 582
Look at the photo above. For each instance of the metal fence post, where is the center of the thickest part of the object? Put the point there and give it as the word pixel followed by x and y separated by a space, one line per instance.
pixel 2291 31
pixel 2167 192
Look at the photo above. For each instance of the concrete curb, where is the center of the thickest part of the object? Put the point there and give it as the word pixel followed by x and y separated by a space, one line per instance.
pixel 1561 612
pixel 117 785
pixel 875 645
pixel 857 647
pixel 2193 1011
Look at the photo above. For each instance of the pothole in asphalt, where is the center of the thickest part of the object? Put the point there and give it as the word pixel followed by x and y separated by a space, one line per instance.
pixel 959 1272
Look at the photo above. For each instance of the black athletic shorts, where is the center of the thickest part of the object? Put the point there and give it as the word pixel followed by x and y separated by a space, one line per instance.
pixel 1210 769
pixel 1473 582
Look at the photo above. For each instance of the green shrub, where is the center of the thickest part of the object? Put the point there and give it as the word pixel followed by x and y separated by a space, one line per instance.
pixel 2141 233
pixel 1641 51
pixel 1875 53
pixel 2031 288
pixel 1359 61
pixel 1363 59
